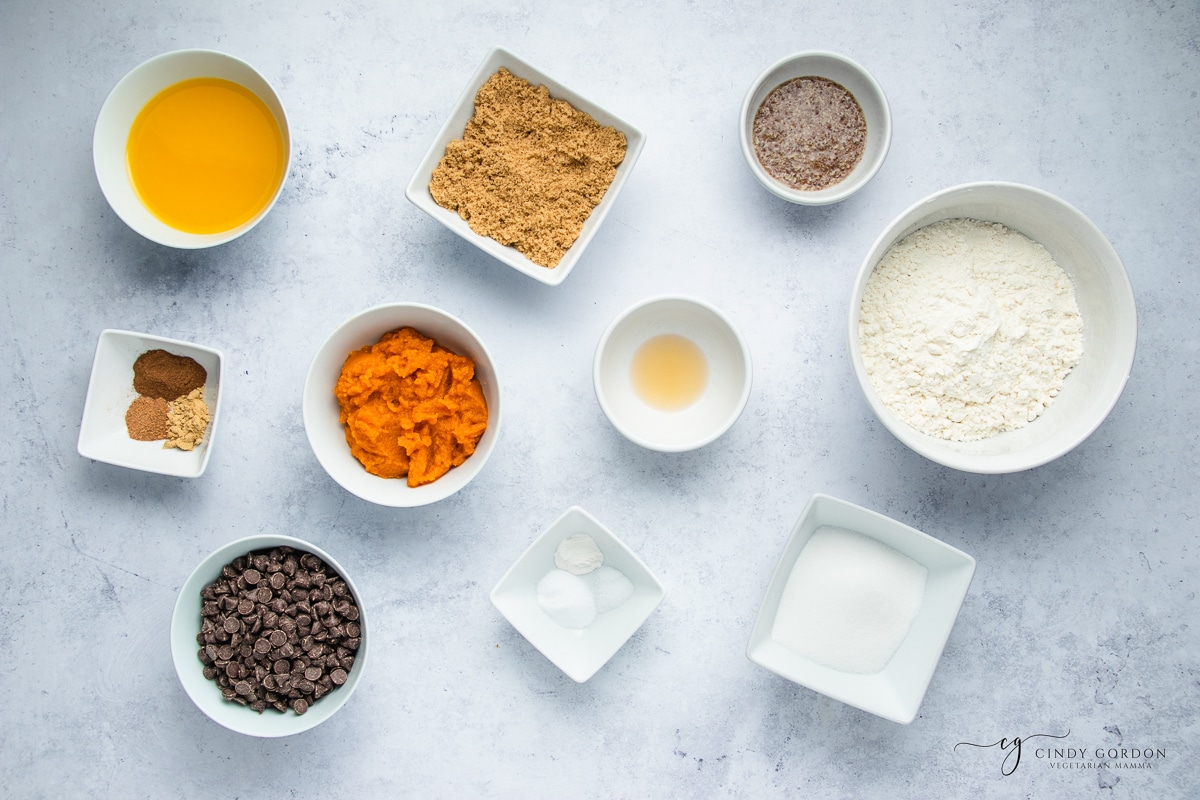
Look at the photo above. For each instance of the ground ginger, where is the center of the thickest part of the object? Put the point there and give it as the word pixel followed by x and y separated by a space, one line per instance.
pixel 529 169
pixel 410 407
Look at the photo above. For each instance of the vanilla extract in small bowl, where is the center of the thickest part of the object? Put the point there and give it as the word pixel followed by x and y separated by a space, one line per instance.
pixel 672 373
pixel 669 372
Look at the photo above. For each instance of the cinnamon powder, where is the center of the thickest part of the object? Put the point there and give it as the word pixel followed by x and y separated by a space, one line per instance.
pixel 157 373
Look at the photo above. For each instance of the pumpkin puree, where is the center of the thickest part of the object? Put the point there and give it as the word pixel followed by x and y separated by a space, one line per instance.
pixel 411 407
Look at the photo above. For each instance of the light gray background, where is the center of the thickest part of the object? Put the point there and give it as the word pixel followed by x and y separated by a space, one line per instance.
pixel 1082 615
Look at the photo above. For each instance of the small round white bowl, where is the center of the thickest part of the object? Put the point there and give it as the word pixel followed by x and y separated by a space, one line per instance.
pixel 729 374
pixel 1106 305
pixel 858 82
pixel 327 435
pixel 185 625
pixel 126 101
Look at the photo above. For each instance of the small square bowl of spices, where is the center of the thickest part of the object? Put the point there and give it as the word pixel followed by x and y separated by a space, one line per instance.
pixel 815 128
pixel 525 168
pixel 860 607
pixel 269 636
pixel 152 404
pixel 577 594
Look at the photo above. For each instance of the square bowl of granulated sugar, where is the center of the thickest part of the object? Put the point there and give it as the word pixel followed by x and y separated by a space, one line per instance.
pixel 525 168
pixel 860 607
pixel 152 403
pixel 578 593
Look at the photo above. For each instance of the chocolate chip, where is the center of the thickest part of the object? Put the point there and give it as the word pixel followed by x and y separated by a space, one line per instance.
pixel 277 629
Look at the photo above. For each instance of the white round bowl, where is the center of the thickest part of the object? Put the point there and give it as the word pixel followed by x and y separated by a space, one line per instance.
pixel 327 435
pixel 1106 305
pixel 858 82
pixel 185 625
pixel 126 101
pixel 724 397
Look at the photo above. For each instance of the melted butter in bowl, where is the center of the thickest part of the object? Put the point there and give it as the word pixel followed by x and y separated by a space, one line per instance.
pixel 192 148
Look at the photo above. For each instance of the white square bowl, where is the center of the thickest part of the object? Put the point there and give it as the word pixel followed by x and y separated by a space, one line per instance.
pixel 103 435
pixel 578 653
pixel 464 109
pixel 897 690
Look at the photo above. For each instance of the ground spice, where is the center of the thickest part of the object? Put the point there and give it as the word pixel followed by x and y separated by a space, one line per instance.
pixel 529 169
pixel 809 133
pixel 146 419
pixel 157 373
pixel 187 419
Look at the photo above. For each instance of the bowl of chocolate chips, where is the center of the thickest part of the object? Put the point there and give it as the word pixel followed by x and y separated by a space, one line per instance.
pixel 269 637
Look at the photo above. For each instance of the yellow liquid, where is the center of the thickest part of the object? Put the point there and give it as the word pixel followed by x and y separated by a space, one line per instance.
pixel 205 155
pixel 669 372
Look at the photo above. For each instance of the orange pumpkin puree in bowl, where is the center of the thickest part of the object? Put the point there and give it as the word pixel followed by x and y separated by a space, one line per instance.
pixel 411 407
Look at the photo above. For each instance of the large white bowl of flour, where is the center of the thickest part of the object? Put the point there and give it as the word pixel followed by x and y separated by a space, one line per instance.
pixel 966 345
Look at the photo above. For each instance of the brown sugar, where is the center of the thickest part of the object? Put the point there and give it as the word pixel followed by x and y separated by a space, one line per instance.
pixel 529 169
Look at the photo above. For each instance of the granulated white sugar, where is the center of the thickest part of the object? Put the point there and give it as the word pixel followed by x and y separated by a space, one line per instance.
pixel 849 601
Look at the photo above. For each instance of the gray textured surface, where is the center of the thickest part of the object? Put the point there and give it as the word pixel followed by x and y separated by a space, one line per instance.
pixel 1082 613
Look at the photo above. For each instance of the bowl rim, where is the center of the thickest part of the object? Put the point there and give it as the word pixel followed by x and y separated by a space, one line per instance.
pixel 184 646
pixel 853 182
pixel 417 189
pixel 84 442
pixel 409 497
pixel 916 440
pixel 186 240
pixel 738 407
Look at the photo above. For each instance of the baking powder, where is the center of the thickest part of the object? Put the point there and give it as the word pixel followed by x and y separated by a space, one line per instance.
pixel 968 329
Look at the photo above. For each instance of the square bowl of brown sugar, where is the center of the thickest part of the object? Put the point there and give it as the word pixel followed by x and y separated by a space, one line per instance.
pixel 152 404
pixel 524 168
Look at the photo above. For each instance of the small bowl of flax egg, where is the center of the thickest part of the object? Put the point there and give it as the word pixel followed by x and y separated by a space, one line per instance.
pixel 815 128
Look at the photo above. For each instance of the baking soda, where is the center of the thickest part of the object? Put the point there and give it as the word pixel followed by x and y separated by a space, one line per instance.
pixel 581 586
pixel 849 601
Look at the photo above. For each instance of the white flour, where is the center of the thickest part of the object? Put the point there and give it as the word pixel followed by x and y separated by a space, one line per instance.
pixel 969 329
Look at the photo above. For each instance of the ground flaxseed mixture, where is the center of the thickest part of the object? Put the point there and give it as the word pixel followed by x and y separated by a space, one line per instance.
pixel 529 169
pixel 810 133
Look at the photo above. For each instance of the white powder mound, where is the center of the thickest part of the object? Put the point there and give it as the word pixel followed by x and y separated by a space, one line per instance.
pixel 567 599
pixel 849 601
pixel 578 554
pixel 610 586
pixel 969 329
